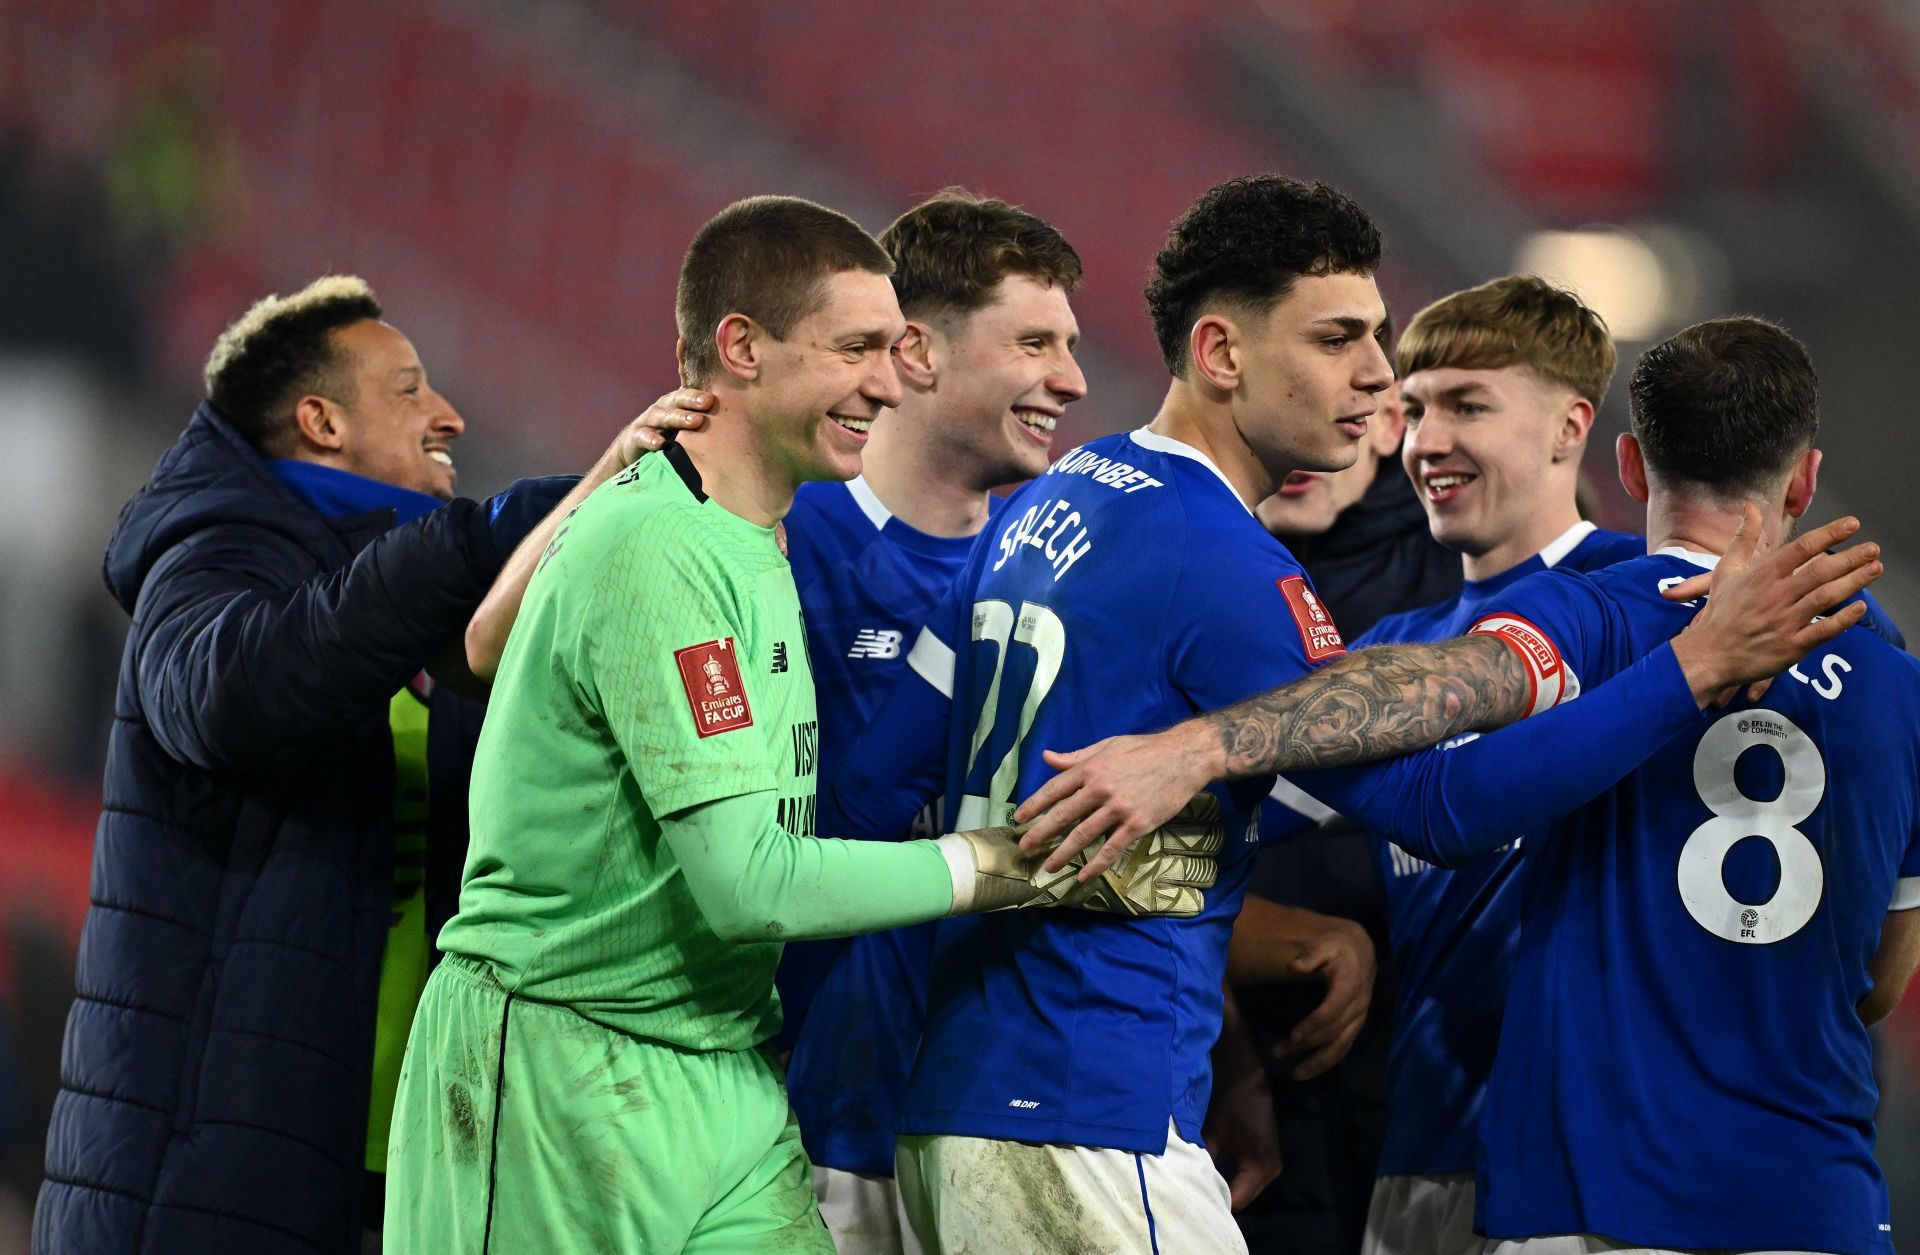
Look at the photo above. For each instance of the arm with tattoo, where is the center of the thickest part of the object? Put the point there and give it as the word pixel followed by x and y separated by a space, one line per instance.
pixel 1766 613
pixel 1374 704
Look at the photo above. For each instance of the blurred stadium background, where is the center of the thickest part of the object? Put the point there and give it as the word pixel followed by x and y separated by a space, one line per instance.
pixel 518 179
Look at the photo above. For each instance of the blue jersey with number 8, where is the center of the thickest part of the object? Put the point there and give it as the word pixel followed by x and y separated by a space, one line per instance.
pixel 1124 590
pixel 1681 1063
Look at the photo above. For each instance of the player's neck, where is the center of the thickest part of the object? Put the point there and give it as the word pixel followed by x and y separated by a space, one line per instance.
pixel 735 471
pixel 919 482
pixel 1547 526
pixel 1703 527
pixel 1206 424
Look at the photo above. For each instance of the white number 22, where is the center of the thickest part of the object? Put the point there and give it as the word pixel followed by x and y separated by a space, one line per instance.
pixel 1737 817
pixel 1041 630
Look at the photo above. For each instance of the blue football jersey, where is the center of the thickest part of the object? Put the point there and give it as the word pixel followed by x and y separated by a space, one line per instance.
pixel 852 1008
pixel 1453 930
pixel 1124 590
pixel 1681 1063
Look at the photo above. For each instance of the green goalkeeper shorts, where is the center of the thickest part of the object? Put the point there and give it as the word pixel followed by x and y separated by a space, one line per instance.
pixel 522 1127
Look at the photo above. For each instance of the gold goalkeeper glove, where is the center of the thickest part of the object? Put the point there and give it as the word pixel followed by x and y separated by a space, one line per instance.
pixel 1165 872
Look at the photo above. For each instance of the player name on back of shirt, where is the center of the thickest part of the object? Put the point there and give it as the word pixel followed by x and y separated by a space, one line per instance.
pixel 1053 526
pixel 1177 602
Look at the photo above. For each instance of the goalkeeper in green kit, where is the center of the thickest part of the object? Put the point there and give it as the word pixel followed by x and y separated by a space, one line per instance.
pixel 586 1070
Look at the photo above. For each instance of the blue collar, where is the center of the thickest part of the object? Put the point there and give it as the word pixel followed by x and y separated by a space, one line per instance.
pixel 337 494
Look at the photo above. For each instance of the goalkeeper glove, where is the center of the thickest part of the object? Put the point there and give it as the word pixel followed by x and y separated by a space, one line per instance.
pixel 1165 872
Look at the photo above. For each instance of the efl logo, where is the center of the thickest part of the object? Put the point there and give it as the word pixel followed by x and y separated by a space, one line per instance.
pixel 875 643
pixel 711 674
pixel 1317 631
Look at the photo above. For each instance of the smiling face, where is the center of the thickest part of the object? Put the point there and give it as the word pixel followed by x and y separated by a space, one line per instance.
pixel 1006 374
pixel 397 429
pixel 1484 450
pixel 1311 371
pixel 822 387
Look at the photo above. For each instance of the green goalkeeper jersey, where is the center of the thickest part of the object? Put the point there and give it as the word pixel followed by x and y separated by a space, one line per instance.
pixel 658 662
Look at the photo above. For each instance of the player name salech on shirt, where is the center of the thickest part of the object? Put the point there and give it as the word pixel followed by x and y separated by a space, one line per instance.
pixel 1054 528
pixel 1155 572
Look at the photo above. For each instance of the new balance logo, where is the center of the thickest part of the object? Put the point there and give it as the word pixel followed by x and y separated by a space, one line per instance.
pixel 779 657
pixel 875 643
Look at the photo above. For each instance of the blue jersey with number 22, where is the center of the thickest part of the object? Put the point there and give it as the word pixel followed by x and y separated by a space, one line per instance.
pixel 1124 590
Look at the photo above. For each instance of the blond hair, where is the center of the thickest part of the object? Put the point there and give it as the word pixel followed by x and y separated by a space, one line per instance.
pixel 1519 320
pixel 282 349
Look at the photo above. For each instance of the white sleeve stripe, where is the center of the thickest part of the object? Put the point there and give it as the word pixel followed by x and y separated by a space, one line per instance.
pixel 932 661
pixel 1906 893
pixel 1295 798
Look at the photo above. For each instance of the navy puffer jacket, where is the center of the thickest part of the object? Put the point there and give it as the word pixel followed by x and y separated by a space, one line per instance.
pixel 218 1056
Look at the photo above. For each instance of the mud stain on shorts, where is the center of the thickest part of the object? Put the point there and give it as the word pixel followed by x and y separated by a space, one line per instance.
pixel 463 1128
pixel 1025 1185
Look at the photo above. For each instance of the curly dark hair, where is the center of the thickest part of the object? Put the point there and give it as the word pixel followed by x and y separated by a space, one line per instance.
pixel 952 249
pixel 1726 405
pixel 1244 242
pixel 281 350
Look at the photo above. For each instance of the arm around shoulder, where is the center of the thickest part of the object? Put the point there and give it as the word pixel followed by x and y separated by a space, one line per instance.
pixel 244 650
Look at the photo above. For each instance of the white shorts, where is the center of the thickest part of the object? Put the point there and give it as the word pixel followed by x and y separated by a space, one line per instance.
pixel 978 1196
pixel 1590 1244
pixel 862 1212
pixel 1422 1215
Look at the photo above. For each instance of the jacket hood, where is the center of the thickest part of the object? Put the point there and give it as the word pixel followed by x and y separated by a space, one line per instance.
pixel 210 476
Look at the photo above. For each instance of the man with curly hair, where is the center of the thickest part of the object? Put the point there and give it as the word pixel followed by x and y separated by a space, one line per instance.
pixel 1129 585
pixel 1062 1076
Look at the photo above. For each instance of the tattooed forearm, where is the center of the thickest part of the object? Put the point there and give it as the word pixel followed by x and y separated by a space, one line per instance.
pixel 1373 704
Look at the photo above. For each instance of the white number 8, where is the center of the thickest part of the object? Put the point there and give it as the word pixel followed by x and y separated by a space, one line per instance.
pixel 1737 817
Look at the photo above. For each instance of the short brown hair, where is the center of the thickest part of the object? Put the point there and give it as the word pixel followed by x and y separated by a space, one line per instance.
pixel 952 249
pixel 282 349
pixel 1726 405
pixel 1519 320
pixel 767 257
